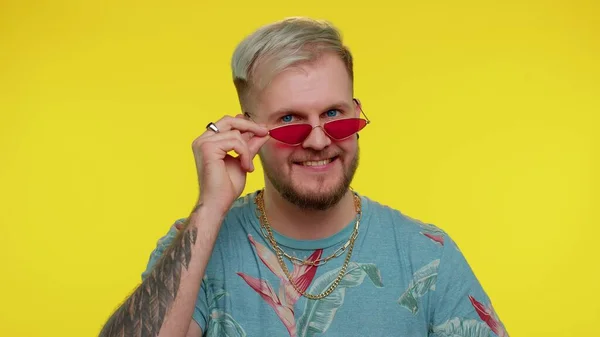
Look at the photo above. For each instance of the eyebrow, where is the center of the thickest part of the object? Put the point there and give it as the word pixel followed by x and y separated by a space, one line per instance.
pixel 287 111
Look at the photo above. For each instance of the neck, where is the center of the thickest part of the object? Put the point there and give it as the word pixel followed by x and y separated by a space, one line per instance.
pixel 300 224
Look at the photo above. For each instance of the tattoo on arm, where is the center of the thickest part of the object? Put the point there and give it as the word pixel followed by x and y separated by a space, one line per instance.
pixel 144 311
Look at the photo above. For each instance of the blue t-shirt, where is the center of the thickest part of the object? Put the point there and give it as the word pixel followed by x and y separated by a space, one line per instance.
pixel 405 278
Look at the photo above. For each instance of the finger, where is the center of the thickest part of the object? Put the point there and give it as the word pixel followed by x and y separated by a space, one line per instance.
pixel 249 140
pixel 246 157
pixel 221 136
pixel 237 145
pixel 255 143
pixel 216 137
pixel 241 124
pixel 246 136
pixel 226 135
pixel 241 148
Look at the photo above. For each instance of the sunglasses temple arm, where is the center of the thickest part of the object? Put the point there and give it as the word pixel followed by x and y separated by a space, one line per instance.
pixel 361 110
pixel 367 118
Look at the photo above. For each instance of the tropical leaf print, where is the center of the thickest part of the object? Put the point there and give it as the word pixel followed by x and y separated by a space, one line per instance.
pixel 424 280
pixel 373 273
pixel 264 289
pixel 216 296
pixel 214 291
pixel 283 301
pixel 435 238
pixel 488 315
pixel 462 328
pixel 220 323
pixel 179 224
pixel 223 325
pixel 432 232
pixel 318 314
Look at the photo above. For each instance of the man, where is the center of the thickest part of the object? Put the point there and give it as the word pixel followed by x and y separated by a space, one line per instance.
pixel 306 255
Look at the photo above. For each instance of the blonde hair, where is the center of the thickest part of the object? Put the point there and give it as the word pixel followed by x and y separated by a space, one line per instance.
pixel 279 45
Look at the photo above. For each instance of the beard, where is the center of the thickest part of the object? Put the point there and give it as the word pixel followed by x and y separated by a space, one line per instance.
pixel 312 201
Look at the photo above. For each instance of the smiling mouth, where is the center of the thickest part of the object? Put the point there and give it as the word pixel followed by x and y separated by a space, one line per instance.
pixel 316 162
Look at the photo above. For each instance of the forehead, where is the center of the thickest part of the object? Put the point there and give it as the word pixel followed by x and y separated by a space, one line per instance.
pixel 307 87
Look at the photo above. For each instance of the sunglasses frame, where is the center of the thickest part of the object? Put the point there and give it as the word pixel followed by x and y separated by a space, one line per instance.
pixel 367 122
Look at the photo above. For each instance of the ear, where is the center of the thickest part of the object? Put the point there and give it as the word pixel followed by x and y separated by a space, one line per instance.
pixel 357 104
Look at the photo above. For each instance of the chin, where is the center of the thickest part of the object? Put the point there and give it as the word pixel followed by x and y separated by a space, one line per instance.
pixel 313 201
pixel 318 186
pixel 317 194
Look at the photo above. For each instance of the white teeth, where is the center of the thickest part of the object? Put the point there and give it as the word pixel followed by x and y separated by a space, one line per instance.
pixel 317 163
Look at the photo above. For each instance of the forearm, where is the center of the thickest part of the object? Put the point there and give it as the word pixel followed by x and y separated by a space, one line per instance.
pixel 164 303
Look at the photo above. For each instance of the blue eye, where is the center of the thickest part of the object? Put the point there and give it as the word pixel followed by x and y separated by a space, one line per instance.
pixel 332 113
pixel 287 118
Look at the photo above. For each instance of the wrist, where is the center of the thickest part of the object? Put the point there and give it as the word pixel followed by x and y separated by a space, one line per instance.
pixel 214 205
pixel 206 216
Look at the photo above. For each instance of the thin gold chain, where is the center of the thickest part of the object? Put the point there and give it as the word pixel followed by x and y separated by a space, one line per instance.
pixel 279 252
pixel 318 262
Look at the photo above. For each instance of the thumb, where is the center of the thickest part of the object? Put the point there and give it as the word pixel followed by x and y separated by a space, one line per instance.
pixel 255 143
pixel 246 136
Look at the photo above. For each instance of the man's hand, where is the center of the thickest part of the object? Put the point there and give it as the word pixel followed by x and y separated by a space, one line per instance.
pixel 222 177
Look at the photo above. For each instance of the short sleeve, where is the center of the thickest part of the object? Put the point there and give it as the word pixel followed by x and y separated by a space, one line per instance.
pixel 200 314
pixel 461 306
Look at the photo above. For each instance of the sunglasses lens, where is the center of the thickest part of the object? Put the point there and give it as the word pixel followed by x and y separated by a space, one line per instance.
pixel 291 134
pixel 344 128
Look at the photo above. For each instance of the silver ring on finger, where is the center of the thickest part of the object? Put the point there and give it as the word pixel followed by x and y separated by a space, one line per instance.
pixel 211 126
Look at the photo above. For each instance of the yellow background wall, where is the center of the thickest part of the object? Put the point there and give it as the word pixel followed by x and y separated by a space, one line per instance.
pixel 485 118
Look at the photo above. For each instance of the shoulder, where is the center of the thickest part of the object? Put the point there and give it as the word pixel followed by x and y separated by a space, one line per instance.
pixel 239 212
pixel 420 245
pixel 389 218
pixel 241 208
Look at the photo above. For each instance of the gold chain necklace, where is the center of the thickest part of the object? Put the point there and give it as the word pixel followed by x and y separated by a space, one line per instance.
pixel 266 231
pixel 280 253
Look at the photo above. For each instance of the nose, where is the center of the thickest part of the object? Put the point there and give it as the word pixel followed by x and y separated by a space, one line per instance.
pixel 317 139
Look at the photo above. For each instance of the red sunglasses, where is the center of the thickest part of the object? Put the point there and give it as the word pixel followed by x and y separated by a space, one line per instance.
pixel 339 129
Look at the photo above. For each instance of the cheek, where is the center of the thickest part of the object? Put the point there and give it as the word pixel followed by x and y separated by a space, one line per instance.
pixel 281 147
pixel 348 147
pixel 276 153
